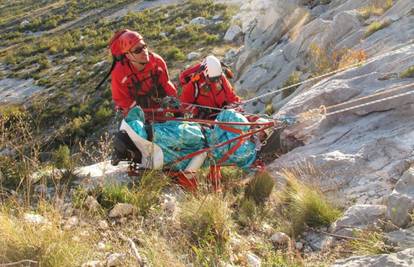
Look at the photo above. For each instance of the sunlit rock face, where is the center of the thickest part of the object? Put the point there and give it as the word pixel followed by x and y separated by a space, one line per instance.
pixel 360 154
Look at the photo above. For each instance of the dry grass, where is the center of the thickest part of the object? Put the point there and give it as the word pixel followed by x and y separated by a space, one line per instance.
pixel 47 243
pixel 369 242
pixel 302 205
pixel 269 109
pixel 376 8
pixel 159 252
pixel 376 26
pixel 208 224
pixel 347 57
pixel 144 196
pixel 321 61
pixel 294 78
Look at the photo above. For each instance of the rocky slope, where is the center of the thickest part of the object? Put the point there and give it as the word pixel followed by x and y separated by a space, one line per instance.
pixel 364 155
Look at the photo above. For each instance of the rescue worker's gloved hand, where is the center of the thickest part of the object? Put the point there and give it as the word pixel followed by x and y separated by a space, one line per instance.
pixel 170 102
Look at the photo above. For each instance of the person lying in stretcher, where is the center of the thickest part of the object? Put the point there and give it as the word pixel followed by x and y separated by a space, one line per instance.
pixel 184 146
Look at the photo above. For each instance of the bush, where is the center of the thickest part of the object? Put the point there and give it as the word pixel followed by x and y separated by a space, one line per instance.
pixel 103 114
pixel 377 8
pixel 62 158
pixel 144 195
pixel 369 242
pixel 376 26
pixel 269 109
pixel 304 205
pixel 319 60
pixel 207 221
pixel 247 212
pixel 173 53
pixel 294 78
pixel 322 62
pixel 260 187
pixel 408 73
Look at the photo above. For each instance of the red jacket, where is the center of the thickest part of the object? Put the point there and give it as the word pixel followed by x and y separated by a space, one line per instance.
pixel 205 93
pixel 144 87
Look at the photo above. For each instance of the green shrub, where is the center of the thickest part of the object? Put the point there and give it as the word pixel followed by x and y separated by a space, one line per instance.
pixel 377 8
pixel 408 73
pixel 207 220
pixel 62 158
pixel 173 53
pixel 11 173
pixel 376 26
pixel 304 205
pixel 231 177
pixel 103 114
pixel 369 242
pixel 294 78
pixel 269 109
pixel 260 187
pixel 144 195
pixel 247 211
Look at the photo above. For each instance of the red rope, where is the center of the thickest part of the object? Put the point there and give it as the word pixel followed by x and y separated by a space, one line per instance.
pixel 243 136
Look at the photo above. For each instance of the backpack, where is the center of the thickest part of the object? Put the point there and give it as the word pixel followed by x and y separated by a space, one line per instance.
pixel 117 55
pixel 193 73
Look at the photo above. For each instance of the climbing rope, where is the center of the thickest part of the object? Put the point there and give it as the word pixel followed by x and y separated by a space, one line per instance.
pixel 323 111
pixel 387 91
pixel 369 103
pixel 318 77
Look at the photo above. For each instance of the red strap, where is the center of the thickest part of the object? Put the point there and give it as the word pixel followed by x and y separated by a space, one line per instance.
pixel 241 137
pixel 231 151
pixel 231 129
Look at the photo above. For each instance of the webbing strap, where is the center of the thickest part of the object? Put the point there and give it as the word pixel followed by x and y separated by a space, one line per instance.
pixel 231 151
pixel 230 129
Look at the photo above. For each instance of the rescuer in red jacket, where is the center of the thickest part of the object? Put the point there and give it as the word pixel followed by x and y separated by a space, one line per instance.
pixel 139 77
pixel 205 84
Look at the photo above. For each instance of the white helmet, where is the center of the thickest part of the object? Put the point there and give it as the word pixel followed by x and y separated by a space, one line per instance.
pixel 212 67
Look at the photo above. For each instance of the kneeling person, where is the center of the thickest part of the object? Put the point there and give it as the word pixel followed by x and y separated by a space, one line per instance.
pixel 205 84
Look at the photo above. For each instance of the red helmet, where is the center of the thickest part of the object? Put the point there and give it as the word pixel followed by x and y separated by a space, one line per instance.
pixel 123 41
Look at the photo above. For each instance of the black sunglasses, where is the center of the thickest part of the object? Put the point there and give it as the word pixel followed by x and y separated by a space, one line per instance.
pixel 138 50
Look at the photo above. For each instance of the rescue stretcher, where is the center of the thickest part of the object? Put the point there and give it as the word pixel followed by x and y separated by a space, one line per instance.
pixel 143 154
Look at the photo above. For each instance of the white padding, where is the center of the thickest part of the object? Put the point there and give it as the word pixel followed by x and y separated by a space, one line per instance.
pixel 152 156
pixel 196 162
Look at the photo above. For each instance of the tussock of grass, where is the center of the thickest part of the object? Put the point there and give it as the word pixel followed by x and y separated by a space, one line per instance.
pixel 269 109
pixel 319 60
pixel 252 207
pixel 272 257
pixel 144 195
pixel 292 79
pixel 369 243
pixel 347 57
pixel 377 8
pixel 303 205
pixel 46 243
pixel 247 212
pixel 207 219
pixel 322 62
pixel 376 26
pixel 260 187
pixel 231 177
pixel 159 252
pixel 408 73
